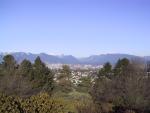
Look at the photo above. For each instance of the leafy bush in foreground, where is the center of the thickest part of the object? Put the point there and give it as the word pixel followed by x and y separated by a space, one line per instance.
pixel 41 103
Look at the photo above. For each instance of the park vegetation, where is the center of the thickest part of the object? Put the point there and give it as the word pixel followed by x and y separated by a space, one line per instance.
pixel 34 88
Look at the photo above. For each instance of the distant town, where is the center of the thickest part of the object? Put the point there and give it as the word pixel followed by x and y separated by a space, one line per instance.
pixel 75 66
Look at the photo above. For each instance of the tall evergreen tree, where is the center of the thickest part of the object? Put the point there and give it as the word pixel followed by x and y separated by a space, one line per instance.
pixel 25 69
pixel 106 70
pixel 64 79
pixel 43 76
pixel 39 68
pixel 9 64
pixel 121 66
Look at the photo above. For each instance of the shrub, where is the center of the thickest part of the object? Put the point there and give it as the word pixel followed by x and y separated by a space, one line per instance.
pixel 41 103
pixel 9 104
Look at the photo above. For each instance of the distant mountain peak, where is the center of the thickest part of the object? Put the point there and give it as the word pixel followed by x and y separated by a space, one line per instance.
pixel 69 59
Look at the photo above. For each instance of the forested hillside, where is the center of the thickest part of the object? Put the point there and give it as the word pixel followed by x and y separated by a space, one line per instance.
pixel 34 88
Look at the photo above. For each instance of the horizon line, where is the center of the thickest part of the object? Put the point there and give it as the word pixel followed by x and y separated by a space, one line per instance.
pixel 38 53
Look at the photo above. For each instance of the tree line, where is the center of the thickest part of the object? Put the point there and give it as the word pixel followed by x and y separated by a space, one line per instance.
pixel 123 88
pixel 25 79
pixel 33 87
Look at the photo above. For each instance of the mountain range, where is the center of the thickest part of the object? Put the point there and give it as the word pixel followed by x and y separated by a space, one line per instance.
pixel 69 59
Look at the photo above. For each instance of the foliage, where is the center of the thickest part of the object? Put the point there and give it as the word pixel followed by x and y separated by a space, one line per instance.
pixel 42 75
pixel 9 104
pixel 127 89
pixel 85 84
pixel 25 69
pixel 8 65
pixel 106 70
pixel 121 66
pixel 86 107
pixel 41 103
pixel 25 79
pixel 64 79
pixel 29 88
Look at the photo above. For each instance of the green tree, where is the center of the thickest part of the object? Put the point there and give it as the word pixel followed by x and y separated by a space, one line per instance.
pixel 43 76
pixel 106 70
pixel 9 65
pixel 121 66
pixel 64 79
pixel 85 84
pixel 8 68
pixel 25 69
pixel 22 84
pixel 129 90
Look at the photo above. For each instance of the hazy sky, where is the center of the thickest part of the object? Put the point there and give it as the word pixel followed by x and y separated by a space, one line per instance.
pixel 77 27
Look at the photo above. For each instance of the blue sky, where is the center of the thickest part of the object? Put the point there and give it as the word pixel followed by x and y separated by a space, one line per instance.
pixel 77 27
